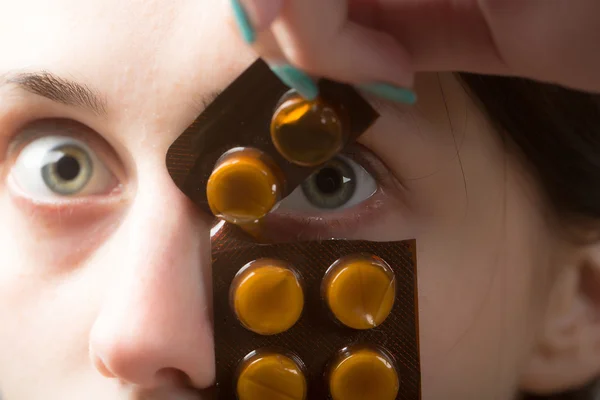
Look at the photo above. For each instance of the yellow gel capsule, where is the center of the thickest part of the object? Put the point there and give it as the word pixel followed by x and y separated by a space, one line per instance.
pixel 267 297
pixel 270 376
pixel 307 133
pixel 244 186
pixel 364 374
pixel 360 291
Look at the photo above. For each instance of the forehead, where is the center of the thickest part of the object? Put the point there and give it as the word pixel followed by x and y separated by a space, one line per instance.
pixel 123 48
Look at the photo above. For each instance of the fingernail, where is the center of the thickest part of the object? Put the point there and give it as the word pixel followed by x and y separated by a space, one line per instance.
pixel 243 22
pixel 297 80
pixel 391 92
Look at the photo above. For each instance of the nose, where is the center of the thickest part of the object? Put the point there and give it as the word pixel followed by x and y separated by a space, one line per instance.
pixel 156 317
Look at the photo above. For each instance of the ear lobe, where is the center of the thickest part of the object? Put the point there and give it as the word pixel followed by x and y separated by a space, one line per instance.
pixel 567 352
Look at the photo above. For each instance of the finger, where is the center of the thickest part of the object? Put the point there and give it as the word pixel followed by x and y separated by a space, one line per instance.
pixel 370 60
pixel 300 38
pixel 318 38
pixel 253 18
pixel 440 35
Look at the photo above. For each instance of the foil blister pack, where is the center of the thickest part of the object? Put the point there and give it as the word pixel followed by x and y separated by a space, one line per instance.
pixel 323 319
pixel 326 319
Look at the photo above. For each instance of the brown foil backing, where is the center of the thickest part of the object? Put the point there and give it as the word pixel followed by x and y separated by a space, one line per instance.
pixel 241 117
pixel 316 337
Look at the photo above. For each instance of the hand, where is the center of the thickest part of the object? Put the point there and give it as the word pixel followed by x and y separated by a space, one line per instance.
pixel 378 45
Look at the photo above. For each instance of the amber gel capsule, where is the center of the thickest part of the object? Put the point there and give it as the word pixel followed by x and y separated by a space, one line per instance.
pixel 245 185
pixel 267 297
pixel 363 374
pixel 360 290
pixel 307 133
pixel 268 375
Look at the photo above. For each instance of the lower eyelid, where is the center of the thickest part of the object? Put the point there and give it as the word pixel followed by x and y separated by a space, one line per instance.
pixel 61 204
pixel 291 226
pixel 55 218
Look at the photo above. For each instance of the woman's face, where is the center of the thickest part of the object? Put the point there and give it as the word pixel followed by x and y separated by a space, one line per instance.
pixel 105 275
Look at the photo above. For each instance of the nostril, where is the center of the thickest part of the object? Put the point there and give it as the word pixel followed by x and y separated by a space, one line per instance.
pixel 172 376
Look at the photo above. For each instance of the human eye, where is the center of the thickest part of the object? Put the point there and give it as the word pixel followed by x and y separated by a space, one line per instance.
pixel 340 184
pixel 352 189
pixel 53 164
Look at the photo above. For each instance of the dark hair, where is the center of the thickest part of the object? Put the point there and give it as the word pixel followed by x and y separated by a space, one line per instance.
pixel 557 131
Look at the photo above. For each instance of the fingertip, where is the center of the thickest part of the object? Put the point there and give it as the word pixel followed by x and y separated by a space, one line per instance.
pixel 296 79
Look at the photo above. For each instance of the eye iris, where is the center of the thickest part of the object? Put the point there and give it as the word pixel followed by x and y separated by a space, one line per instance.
pixel 68 170
pixel 332 186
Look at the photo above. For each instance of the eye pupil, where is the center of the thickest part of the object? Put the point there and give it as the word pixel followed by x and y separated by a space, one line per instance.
pixel 332 186
pixel 328 180
pixel 68 168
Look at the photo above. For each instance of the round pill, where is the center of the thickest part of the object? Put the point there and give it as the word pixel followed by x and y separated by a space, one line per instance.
pixel 360 291
pixel 364 374
pixel 267 297
pixel 307 133
pixel 243 187
pixel 270 376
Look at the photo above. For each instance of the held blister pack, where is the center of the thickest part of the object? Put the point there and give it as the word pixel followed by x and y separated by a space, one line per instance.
pixel 328 319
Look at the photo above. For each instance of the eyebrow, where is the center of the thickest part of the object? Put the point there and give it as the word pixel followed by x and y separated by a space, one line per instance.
pixel 58 89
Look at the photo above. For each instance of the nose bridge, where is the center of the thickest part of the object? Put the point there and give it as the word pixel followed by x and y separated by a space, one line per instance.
pixel 156 315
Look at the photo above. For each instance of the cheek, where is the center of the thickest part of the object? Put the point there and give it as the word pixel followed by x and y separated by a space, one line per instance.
pixel 48 240
pixel 47 334
pixel 46 303
pixel 473 323
pixel 481 290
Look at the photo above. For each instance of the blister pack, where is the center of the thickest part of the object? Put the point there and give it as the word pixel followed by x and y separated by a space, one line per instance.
pixel 326 319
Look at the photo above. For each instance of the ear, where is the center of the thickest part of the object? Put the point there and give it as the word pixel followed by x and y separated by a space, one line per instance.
pixel 567 351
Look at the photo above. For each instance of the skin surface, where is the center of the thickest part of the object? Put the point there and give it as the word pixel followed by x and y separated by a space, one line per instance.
pixel 362 41
pixel 106 295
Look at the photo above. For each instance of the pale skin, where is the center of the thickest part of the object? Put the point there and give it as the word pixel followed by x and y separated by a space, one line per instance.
pixel 106 295
pixel 362 41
